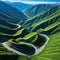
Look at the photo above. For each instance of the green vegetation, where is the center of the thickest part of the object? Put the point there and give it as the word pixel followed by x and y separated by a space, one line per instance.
pixel 45 20
pixel 40 16
pixel 55 27
pixel 30 36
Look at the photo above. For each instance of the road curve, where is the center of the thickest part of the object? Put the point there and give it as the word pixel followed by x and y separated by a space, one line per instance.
pixel 38 50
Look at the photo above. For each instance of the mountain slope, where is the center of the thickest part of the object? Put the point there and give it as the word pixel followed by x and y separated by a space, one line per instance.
pixel 10 13
pixel 20 6
pixel 38 9
pixel 53 28
pixel 46 21
pixel 51 51
pixel 29 34
pixel 40 16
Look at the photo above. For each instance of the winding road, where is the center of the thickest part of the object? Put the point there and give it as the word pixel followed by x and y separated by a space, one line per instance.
pixel 38 50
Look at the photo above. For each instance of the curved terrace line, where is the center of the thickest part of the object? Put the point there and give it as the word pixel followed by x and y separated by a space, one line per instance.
pixel 37 50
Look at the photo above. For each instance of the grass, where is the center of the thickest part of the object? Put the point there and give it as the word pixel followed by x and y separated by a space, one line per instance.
pixel 46 19
pixel 34 19
pixel 4 51
pixel 22 36
pixel 18 33
pixel 51 26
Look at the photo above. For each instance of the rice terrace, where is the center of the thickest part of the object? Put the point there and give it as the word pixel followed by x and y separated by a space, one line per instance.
pixel 29 31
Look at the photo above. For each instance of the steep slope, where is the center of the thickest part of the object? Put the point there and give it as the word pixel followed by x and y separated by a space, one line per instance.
pixel 10 13
pixel 21 6
pixel 28 41
pixel 46 21
pixel 13 34
pixel 38 9
pixel 40 16
pixel 10 30
pixel 51 29
pixel 3 50
pixel 51 51
pixel 8 27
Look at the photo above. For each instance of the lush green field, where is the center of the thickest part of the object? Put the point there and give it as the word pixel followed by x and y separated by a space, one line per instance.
pixel 51 51
pixel 26 34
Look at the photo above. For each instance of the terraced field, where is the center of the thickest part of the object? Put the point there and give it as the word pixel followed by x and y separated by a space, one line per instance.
pixel 41 16
pixel 34 38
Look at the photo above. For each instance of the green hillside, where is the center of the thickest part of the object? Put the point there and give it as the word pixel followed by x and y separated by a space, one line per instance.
pixel 38 9
pixel 55 27
pixel 35 38
pixel 40 16
pixel 46 21
pixel 51 51
pixel 10 13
